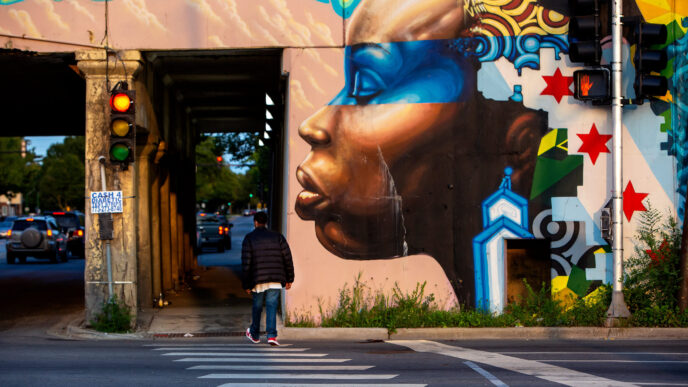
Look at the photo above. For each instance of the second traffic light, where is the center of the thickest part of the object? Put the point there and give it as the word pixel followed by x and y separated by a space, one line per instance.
pixel 585 29
pixel 122 125
pixel 648 60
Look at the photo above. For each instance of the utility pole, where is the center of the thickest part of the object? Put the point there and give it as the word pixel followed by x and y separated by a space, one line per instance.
pixel 617 308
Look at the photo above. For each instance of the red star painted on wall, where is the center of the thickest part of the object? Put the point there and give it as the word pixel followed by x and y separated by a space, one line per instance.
pixel 594 143
pixel 632 201
pixel 557 85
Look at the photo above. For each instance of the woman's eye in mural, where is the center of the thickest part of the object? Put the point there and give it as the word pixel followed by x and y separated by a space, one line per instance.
pixel 365 85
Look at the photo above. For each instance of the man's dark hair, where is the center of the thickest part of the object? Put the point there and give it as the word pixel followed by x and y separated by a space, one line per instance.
pixel 260 217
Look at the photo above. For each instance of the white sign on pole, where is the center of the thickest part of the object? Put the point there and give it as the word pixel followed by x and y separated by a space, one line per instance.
pixel 106 201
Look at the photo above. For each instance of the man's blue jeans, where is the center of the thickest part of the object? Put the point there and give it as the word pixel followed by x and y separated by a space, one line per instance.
pixel 271 298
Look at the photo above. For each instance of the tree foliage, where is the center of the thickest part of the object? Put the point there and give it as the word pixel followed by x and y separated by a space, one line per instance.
pixel 15 171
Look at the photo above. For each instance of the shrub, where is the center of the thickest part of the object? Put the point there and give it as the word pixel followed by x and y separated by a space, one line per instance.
pixel 115 317
pixel 653 275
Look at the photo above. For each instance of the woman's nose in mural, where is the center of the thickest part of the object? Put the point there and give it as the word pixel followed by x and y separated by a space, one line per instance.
pixel 316 129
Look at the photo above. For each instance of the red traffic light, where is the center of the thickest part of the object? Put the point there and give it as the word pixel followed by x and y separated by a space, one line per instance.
pixel 219 159
pixel 120 102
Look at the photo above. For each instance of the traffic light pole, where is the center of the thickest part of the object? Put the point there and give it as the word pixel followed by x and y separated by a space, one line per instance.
pixel 617 308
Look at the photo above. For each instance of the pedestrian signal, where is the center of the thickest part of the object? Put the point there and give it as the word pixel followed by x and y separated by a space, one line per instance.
pixel 591 85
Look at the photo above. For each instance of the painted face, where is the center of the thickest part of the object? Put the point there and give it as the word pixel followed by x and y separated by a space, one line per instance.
pixel 399 101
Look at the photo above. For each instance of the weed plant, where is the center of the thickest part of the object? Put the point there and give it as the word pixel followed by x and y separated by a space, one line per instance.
pixel 115 317
pixel 653 275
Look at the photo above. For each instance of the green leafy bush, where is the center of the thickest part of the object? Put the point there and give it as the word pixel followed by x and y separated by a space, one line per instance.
pixel 653 276
pixel 115 317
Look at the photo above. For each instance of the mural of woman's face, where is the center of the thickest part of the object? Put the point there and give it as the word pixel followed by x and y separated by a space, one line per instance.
pixel 399 100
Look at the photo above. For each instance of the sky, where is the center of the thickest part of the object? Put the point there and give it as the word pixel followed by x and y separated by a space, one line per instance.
pixel 40 144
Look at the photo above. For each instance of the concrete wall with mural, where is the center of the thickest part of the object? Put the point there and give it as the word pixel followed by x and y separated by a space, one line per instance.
pixel 423 134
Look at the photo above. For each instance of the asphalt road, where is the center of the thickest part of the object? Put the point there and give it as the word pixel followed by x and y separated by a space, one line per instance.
pixel 235 362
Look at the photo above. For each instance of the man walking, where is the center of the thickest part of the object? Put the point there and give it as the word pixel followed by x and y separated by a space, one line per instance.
pixel 267 267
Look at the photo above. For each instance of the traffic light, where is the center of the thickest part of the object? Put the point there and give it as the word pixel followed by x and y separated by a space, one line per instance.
pixel 592 84
pixel 585 30
pixel 122 125
pixel 648 60
pixel 218 159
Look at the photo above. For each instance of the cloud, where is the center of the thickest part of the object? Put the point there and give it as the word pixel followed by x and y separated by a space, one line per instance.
pixel 312 80
pixel 231 7
pixel 52 15
pixel 298 96
pixel 206 10
pixel 81 9
pixel 24 19
pixel 140 11
pixel 215 41
pixel 321 29
pixel 266 34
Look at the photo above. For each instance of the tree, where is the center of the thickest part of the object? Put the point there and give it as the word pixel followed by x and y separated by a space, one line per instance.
pixel 61 179
pixel 13 167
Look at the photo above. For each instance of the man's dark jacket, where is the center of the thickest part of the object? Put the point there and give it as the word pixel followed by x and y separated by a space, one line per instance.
pixel 265 257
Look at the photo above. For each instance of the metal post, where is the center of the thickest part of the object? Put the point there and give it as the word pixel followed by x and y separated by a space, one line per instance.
pixel 101 159
pixel 617 308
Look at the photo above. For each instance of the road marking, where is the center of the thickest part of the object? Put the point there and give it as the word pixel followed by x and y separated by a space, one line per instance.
pixel 281 368
pixel 265 349
pixel 594 353
pixel 241 354
pixel 660 384
pixel 214 345
pixel 612 361
pixel 316 385
pixel 493 379
pixel 529 367
pixel 297 376
pixel 257 360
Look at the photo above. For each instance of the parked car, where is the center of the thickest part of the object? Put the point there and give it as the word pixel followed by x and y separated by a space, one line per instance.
pixel 210 231
pixel 38 237
pixel 72 225
pixel 5 227
pixel 249 212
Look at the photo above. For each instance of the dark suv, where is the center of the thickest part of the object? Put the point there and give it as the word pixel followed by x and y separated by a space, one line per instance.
pixel 72 225
pixel 38 237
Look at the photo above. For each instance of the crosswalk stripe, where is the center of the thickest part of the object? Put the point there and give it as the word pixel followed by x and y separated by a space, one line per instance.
pixel 282 367
pixel 612 361
pixel 213 345
pixel 297 376
pixel 592 353
pixel 242 354
pixel 528 367
pixel 317 385
pixel 263 349
pixel 257 360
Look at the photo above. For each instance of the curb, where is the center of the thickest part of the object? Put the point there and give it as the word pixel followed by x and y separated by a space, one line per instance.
pixel 335 334
pixel 541 333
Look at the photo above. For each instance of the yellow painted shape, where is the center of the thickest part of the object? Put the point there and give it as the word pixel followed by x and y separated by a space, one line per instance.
pixel 548 142
pixel 564 145
pixel 593 297
pixel 566 298
pixel 663 11
pixel 559 283
pixel 599 251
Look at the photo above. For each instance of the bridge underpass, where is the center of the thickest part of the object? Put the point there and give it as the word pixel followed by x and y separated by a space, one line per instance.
pixel 180 95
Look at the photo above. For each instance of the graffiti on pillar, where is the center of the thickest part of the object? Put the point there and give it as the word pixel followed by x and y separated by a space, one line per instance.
pixel 505 216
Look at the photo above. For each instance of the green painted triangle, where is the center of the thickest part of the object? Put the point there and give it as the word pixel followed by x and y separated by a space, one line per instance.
pixel 577 281
pixel 549 171
pixel 667 121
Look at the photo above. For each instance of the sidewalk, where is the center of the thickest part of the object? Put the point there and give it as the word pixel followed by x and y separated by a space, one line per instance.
pixel 214 305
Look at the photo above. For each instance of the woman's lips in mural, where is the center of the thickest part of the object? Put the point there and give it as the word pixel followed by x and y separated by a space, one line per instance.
pixel 311 199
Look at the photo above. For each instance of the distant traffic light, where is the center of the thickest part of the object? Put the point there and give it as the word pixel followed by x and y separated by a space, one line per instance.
pixel 592 84
pixel 218 159
pixel 648 60
pixel 585 30
pixel 122 125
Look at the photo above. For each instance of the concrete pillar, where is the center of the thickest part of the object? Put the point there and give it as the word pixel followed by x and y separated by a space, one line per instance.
pixel 166 256
pixel 102 72
pixel 156 243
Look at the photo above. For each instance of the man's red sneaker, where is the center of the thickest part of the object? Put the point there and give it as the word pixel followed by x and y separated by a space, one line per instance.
pixel 250 337
pixel 273 341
